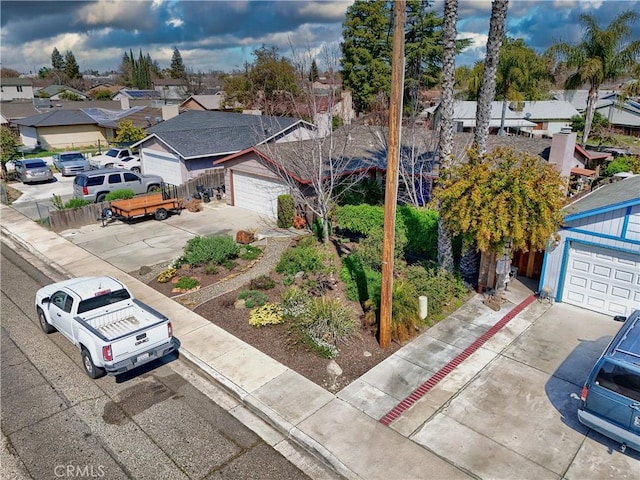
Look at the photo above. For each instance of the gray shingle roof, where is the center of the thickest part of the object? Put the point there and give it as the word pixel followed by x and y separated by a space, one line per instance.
pixel 616 193
pixel 57 118
pixel 197 133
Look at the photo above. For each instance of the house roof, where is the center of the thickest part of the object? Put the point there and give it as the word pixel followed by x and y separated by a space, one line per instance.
pixel 612 196
pixel 208 102
pixel 465 111
pixel 196 133
pixel 138 94
pixel 15 81
pixel 584 172
pixel 52 90
pixel 90 116
pixel 365 148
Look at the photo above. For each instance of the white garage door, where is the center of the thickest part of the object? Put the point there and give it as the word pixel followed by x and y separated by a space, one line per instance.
pixel 604 280
pixel 167 165
pixel 258 194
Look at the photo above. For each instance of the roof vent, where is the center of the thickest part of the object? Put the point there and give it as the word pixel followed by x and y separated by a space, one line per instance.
pixel 148 120
pixel 158 119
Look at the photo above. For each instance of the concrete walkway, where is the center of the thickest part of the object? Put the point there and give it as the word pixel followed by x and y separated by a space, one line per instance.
pixel 345 430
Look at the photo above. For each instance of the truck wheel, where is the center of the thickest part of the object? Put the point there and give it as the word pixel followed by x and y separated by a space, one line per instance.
pixel 135 169
pixel 153 188
pixel 46 327
pixel 161 214
pixel 89 368
pixel 109 165
pixel 100 197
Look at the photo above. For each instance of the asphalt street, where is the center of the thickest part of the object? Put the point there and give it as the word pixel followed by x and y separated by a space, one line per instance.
pixel 164 421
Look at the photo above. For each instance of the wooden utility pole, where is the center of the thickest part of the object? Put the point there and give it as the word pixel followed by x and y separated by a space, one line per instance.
pixel 391 189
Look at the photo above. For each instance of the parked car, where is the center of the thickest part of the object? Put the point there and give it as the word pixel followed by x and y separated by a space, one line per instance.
pixel 610 398
pixel 70 163
pixel 33 170
pixel 130 163
pixel 96 184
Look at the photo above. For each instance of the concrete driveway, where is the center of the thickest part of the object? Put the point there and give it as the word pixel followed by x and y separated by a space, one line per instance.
pixel 36 198
pixel 131 245
pixel 517 418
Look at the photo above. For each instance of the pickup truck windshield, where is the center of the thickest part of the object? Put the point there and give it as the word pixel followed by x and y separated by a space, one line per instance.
pixel 74 157
pixel 112 153
pixel 103 300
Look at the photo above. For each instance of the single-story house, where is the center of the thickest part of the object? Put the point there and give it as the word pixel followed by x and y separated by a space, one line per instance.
pixel 15 89
pixel 137 94
pixel 188 144
pixel 80 127
pixel 595 263
pixel 170 88
pixel 540 118
pixel 624 117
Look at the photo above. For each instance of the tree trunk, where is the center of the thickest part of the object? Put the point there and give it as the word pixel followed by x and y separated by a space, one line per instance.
pixel 445 250
pixel 488 86
pixel 592 97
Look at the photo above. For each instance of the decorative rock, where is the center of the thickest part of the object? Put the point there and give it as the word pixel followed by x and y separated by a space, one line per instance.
pixel 244 238
pixel 239 304
pixel 366 354
pixel 334 369
pixel 144 270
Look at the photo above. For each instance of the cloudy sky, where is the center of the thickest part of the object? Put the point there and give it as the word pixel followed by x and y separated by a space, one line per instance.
pixel 214 35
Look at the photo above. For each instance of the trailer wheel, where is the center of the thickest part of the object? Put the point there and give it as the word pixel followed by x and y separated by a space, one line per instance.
pixel 46 327
pixel 161 214
pixel 107 213
pixel 90 369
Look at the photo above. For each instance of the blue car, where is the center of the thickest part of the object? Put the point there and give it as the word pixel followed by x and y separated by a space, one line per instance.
pixel 610 398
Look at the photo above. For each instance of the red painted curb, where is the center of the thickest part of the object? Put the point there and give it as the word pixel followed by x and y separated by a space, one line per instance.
pixel 408 402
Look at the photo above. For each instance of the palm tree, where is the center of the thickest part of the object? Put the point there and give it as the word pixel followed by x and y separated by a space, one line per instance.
pixel 488 86
pixel 445 250
pixel 470 259
pixel 602 55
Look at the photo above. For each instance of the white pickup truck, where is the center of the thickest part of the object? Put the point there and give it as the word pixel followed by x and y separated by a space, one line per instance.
pixel 110 157
pixel 114 331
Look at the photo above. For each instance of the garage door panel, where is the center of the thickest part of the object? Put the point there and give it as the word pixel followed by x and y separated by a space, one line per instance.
pixel 258 194
pixel 164 164
pixel 604 280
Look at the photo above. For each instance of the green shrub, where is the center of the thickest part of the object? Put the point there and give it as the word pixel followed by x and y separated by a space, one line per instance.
pixel 299 259
pixel 253 298
pixel 263 282
pixel 286 211
pixel 228 264
pixel 267 314
pixel 326 322
pixel 75 203
pixel 370 249
pixel 405 314
pixel 187 283
pixel 249 252
pixel 215 249
pixel 362 283
pixel 360 219
pixel 211 269
pixel 295 302
pixel 421 230
pixel 367 191
pixel 288 280
pixel 122 194
pixel 440 287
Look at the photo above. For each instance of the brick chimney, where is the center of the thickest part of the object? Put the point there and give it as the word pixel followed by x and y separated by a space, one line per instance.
pixel 563 146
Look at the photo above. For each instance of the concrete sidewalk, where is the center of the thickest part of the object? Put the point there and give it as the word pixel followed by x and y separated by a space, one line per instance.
pixel 364 431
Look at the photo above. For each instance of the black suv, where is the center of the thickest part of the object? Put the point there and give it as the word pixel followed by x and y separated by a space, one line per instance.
pixel 96 184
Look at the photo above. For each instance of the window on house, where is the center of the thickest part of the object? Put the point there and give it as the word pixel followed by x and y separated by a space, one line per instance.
pixel 19 87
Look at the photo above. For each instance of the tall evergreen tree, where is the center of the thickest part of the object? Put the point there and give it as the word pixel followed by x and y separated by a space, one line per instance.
pixel 57 61
pixel 177 69
pixel 313 73
pixel 71 68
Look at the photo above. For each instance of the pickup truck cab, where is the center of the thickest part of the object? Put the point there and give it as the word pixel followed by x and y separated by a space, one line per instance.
pixel 113 331
pixel 110 157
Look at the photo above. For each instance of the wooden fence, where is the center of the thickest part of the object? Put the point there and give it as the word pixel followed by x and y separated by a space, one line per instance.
pixel 60 220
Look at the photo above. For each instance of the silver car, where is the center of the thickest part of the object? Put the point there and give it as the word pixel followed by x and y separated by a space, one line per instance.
pixel 70 163
pixel 33 170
